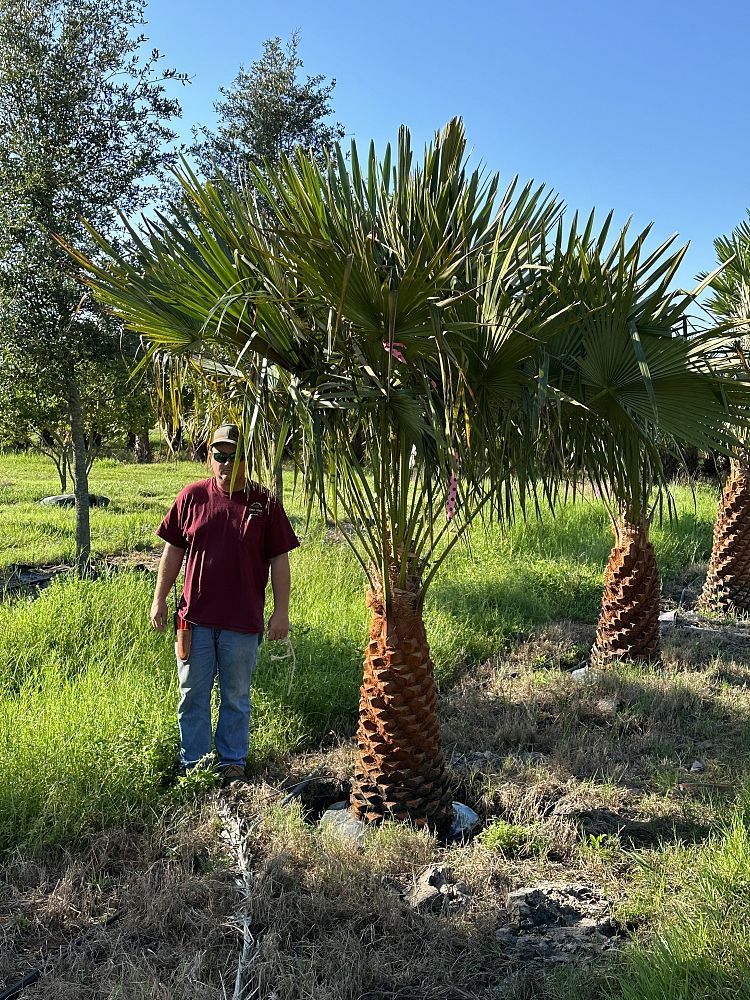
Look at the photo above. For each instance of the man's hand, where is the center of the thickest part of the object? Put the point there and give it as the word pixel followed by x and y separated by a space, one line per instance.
pixel 159 614
pixel 278 626
pixel 278 623
pixel 169 567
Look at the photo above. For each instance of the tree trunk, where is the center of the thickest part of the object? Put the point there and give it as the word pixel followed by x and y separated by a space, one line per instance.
pixel 628 626
pixel 142 447
pixel 199 450
pixel 400 771
pixel 727 586
pixel 80 480
pixel 172 435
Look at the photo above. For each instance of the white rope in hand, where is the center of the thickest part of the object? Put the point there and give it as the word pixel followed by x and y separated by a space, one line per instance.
pixel 288 655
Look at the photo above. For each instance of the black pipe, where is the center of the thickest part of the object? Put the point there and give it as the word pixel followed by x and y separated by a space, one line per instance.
pixel 31 977
pixel 15 989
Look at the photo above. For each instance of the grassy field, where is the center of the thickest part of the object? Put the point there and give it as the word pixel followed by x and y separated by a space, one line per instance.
pixel 579 781
pixel 34 535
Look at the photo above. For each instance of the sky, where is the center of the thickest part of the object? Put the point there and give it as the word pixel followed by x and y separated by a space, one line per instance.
pixel 636 107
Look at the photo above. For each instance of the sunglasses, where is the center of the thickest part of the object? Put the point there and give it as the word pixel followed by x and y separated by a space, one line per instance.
pixel 223 456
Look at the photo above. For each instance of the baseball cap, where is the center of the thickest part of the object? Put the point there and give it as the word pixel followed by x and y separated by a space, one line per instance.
pixel 226 434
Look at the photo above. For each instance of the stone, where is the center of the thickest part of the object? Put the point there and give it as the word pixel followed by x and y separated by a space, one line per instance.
pixel 697 766
pixel 339 820
pixel 551 904
pixel 557 922
pixel 69 500
pixel 430 890
pixel 609 706
pixel 581 674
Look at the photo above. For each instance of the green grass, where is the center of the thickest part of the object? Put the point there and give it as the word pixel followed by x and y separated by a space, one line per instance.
pixel 87 689
pixel 88 695
pixel 36 535
pixel 510 839
pixel 85 711
pixel 700 944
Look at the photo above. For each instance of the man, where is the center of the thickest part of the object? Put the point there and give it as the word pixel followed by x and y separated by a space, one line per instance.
pixel 232 532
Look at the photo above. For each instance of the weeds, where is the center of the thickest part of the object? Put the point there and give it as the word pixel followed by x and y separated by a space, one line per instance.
pixel 700 946
pixel 582 782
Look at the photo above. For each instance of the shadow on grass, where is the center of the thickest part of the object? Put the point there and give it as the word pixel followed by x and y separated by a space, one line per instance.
pixel 297 700
pixel 647 754
pixel 487 614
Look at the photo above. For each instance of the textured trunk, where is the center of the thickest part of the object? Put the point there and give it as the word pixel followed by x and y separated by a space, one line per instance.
pixel 400 771
pixel 727 586
pixel 142 446
pixel 628 626
pixel 80 481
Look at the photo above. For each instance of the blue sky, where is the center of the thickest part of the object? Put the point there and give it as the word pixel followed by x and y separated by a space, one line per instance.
pixel 637 107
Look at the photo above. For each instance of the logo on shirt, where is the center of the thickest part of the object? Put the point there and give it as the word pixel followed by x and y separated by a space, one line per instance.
pixel 254 509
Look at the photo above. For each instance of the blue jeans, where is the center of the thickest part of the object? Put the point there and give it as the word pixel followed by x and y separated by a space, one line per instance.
pixel 230 656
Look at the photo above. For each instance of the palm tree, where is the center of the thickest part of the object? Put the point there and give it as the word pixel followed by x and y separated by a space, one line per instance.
pixel 727 584
pixel 388 304
pixel 631 387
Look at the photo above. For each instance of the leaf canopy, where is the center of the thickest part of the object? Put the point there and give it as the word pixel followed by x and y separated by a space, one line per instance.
pixel 627 385
pixel 422 340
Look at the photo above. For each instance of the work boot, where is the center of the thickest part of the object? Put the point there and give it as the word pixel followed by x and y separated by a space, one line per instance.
pixel 232 774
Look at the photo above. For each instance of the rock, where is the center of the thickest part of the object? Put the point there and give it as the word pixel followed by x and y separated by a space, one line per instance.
pixel 667 621
pixel 526 908
pixel 342 823
pixel 69 500
pixel 581 674
pixel 20 576
pixel 557 922
pixel 610 706
pixel 606 926
pixel 457 896
pixel 436 890
pixel 697 766
pixel 550 905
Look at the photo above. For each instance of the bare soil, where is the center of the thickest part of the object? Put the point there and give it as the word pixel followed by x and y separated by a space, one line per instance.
pixel 20 577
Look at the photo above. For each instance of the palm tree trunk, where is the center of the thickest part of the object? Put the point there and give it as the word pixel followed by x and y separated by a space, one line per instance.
pixel 727 586
pixel 400 771
pixel 628 626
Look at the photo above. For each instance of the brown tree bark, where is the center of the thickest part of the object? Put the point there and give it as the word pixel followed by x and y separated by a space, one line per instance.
pixel 142 446
pixel 628 626
pixel 400 771
pixel 727 586
pixel 80 479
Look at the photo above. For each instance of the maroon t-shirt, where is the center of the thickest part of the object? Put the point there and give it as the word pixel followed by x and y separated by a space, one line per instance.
pixel 230 541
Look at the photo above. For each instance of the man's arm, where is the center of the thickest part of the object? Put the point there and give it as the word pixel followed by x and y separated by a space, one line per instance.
pixel 169 568
pixel 281 582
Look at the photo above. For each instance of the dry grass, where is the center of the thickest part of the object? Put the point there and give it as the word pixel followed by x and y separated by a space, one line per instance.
pixel 596 770
pixel 169 894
